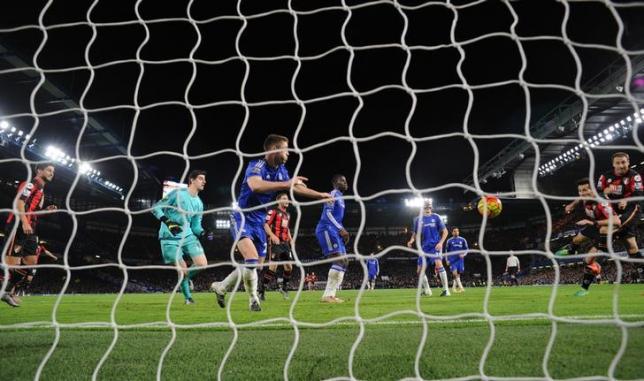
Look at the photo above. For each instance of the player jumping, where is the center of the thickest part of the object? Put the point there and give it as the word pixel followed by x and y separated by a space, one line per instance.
pixel 599 218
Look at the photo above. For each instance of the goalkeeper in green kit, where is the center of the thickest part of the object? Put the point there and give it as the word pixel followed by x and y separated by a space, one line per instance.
pixel 180 213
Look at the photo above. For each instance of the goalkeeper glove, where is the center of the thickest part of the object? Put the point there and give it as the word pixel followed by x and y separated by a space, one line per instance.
pixel 174 227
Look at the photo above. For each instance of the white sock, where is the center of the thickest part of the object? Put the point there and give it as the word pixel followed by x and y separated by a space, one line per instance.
pixel 443 275
pixel 460 285
pixel 424 283
pixel 229 282
pixel 454 283
pixel 331 283
pixel 249 276
pixel 339 279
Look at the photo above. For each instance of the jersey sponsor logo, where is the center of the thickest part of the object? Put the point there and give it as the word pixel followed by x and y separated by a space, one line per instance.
pixel 26 192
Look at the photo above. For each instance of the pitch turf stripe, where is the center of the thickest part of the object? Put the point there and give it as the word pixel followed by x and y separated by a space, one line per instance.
pixel 346 321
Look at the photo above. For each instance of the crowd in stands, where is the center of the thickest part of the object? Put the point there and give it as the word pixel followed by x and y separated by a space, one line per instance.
pixel 398 266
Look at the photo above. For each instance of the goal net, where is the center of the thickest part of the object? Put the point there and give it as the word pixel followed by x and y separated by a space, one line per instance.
pixel 410 100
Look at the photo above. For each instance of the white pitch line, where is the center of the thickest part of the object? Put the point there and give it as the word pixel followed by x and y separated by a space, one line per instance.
pixel 589 319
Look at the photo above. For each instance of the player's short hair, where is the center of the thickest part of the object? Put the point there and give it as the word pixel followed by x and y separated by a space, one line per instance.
pixel 272 140
pixel 336 178
pixel 455 227
pixel 43 166
pixel 195 173
pixel 584 181
pixel 620 154
pixel 280 194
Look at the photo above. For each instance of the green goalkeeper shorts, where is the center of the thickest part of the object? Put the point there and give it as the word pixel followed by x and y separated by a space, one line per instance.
pixel 173 250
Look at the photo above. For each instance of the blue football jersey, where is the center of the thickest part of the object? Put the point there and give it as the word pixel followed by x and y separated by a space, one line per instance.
pixel 333 213
pixel 456 244
pixel 430 228
pixel 372 266
pixel 249 199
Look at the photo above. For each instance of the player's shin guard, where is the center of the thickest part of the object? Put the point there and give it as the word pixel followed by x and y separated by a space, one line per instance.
pixel 267 277
pixel 460 285
pixel 16 277
pixel 193 271
pixel 336 275
pixel 286 277
pixel 229 282
pixel 185 287
pixel 249 276
pixel 424 284
pixel 443 275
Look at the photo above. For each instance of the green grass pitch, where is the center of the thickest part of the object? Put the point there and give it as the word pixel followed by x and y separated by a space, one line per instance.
pixel 391 336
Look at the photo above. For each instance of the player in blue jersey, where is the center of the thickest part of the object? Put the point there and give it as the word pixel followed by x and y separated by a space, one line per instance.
pixel 332 237
pixel 433 233
pixel 373 269
pixel 263 179
pixel 456 249
pixel 180 213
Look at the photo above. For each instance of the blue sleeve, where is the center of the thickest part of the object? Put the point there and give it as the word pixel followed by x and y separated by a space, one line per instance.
pixel 158 210
pixel 414 225
pixel 467 247
pixel 285 175
pixel 255 168
pixel 441 224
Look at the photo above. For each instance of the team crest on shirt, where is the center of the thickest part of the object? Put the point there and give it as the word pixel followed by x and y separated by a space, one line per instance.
pixel 335 245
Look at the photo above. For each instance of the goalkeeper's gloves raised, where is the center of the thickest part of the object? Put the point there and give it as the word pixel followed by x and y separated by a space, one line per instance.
pixel 174 227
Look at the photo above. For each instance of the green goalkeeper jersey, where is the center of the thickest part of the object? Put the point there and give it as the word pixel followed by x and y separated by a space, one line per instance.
pixel 184 209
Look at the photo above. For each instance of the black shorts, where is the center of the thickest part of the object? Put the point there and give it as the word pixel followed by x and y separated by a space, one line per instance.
pixel 281 252
pixel 28 243
pixel 591 231
pixel 512 270
pixel 630 218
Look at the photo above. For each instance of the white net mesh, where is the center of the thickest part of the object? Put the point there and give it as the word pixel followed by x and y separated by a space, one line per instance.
pixel 296 13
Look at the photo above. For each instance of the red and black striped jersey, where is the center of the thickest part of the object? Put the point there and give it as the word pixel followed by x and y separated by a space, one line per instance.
pixel 598 211
pixel 278 221
pixel 629 185
pixel 33 194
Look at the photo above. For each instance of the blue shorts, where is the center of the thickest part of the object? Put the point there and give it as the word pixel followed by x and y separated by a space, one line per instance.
pixel 457 263
pixel 372 276
pixel 429 257
pixel 330 241
pixel 251 230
